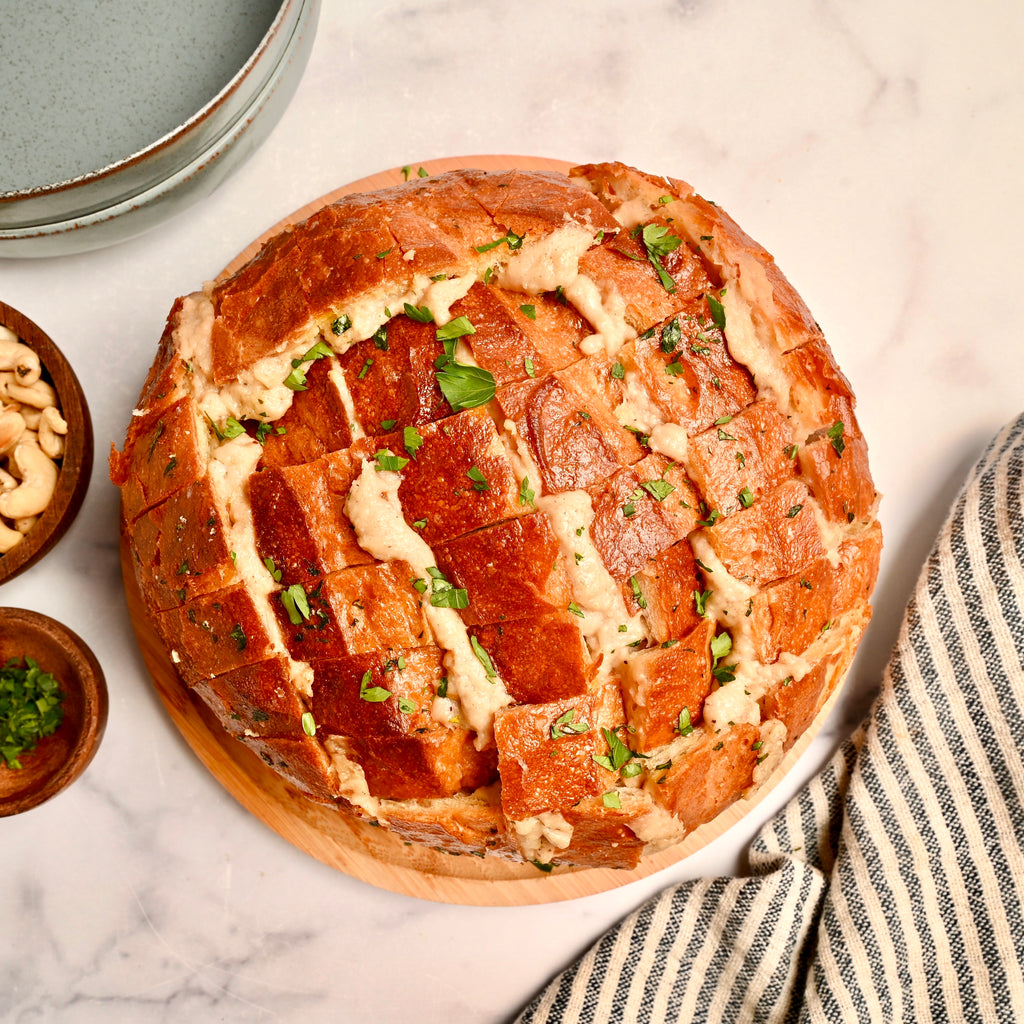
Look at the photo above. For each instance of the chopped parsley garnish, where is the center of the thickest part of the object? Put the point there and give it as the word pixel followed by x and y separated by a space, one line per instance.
pixel 407 707
pixel 611 800
pixel 526 493
pixel 659 242
pixel 444 594
pixel 296 603
pixel 479 480
pixel 659 490
pixel 618 371
pixel 529 311
pixel 573 606
pixel 387 461
pixel 308 724
pixel 373 694
pixel 618 753
pixel 683 726
pixel 794 511
pixel 483 657
pixel 637 593
pixel 700 602
pixel 454 329
pixel 238 635
pixel 675 369
pixel 531 370
pixel 412 439
pixel 566 725
pixel 365 370
pixel 629 508
pixel 513 241
pixel 272 569
pixel 717 311
pixel 296 380
pixel 421 314
pixel 746 498
pixel 31 707
pixel 380 337
pixel 671 335
pixel 342 324
pixel 835 435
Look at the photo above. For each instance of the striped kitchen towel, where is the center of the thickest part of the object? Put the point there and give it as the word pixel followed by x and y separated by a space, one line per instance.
pixel 891 888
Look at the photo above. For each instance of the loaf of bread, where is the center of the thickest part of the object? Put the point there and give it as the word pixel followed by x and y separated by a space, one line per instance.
pixel 523 514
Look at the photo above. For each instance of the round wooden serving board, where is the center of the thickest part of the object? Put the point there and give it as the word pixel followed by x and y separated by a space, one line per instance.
pixel 372 854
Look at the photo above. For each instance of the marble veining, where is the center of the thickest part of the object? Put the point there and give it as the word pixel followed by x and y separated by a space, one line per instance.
pixel 876 150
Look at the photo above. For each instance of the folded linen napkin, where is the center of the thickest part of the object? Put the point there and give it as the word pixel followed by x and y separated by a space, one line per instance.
pixel 891 888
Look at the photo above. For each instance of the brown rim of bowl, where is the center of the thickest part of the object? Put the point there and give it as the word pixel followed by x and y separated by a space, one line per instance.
pixel 60 759
pixel 76 464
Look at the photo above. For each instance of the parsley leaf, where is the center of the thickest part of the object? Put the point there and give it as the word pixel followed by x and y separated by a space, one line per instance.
pixel 835 435
pixel 421 314
pixel 717 311
pixel 659 242
pixel 387 461
pixel 659 490
pixel 465 387
pixel 373 694
pixel 412 439
pixel 483 657
pixel 296 603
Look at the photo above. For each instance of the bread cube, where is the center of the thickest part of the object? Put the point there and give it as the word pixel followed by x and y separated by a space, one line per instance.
pixel 777 536
pixel 315 423
pixel 380 702
pixel 540 659
pixel 738 460
pixel 669 586
pixel 687 370
pixel 525 550
pixel 299 521
pixel 660 682
pixel 215 633
pixel 183 548
pixel 362 608
pixel 460 478
pixel 520 336
pixel 169 451
pixel 712 774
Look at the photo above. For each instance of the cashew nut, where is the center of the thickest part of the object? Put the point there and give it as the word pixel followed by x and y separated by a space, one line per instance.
pixel 12 426
pixel 52 428
pixel 25 523
pixel 18 357
pixel 38 482
pixel 8 538
pixel 38 395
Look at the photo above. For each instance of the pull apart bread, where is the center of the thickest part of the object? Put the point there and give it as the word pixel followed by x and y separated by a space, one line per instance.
pixel 523 514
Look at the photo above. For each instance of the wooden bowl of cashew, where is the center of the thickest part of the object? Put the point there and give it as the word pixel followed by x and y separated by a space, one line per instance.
pixel 46 443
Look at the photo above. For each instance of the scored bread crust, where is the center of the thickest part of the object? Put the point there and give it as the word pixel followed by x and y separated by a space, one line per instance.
pixel 524 514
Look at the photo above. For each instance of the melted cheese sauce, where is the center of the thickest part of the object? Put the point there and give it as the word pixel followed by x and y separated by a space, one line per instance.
pixel 606 622
pixel 542 836
pixel 381 530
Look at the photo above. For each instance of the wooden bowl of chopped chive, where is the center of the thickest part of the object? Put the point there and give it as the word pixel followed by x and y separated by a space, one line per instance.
pixel 53 708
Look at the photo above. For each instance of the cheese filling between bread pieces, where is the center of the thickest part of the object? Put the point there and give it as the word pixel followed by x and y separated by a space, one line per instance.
pixel 374 508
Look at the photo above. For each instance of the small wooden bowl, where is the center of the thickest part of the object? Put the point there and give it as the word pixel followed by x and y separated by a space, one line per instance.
pixel 76 464
pixel 59 759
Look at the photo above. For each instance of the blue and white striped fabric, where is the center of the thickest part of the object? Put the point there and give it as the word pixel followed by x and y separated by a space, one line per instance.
pixel 892 887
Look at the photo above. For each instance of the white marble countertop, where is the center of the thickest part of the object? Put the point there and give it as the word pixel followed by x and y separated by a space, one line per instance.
pixel 875 149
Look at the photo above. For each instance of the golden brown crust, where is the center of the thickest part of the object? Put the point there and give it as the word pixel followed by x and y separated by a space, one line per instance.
pixel 565 619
